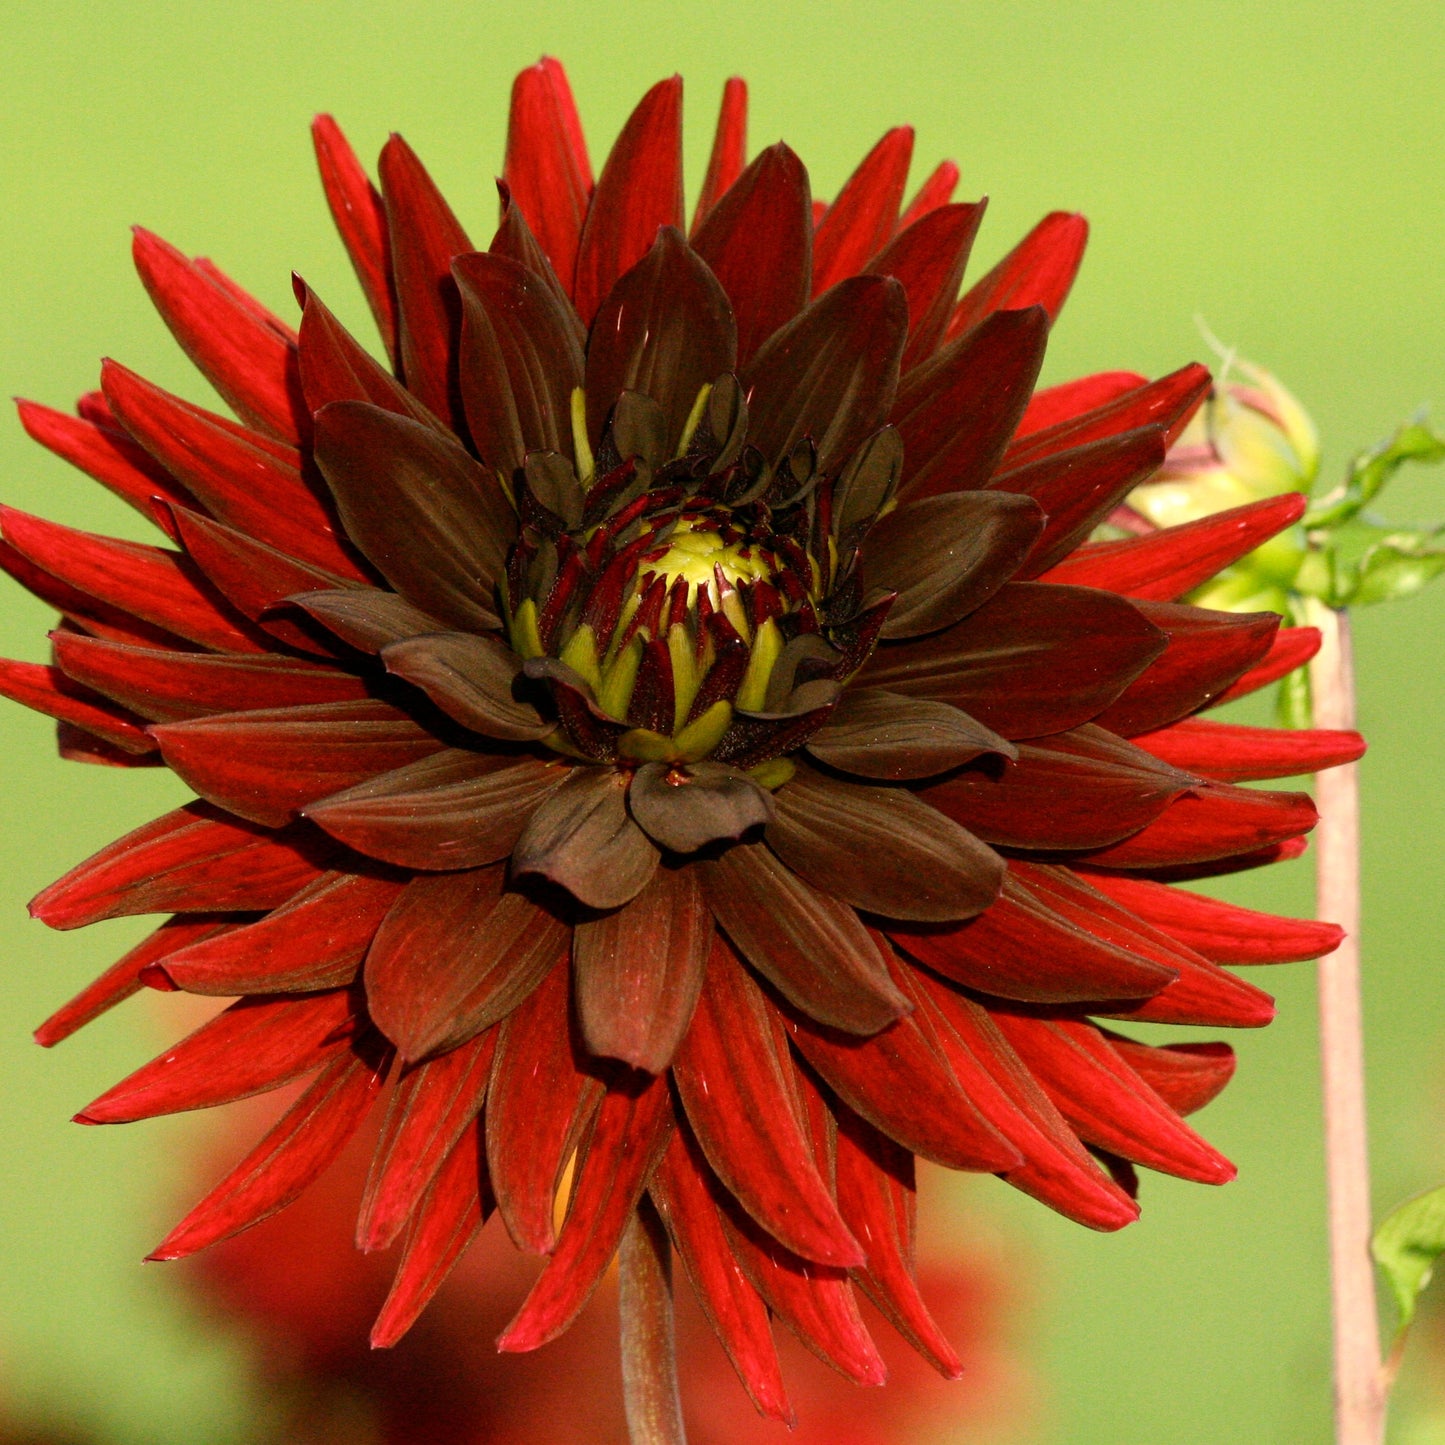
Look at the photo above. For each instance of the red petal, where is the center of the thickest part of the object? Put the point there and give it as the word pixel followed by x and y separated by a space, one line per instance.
pixel 1185 1076
pixel 1234 754
pixel 1164 565
pixel 1206 652
pixel 453 957
pixel 266 765
pixel 863 215
pixel 957 413
pixel 1222 932
pixel 360 217
pixel 244 358
pixel 308 1136
pixel 159 586
pixel 627 1139
pixel 537 1106
pixel 758 241
pixel 732 1075
pixel 546 169
pixel 1039 271
pixel 109 456
pixel 1203 995
pixel 1292 647
pixel 255 1045
pixel 1069 399
pixel 936 191
pixel 640 189
pixel 424 236
pixel 122 978
pixel 729 149
pixel 450 1214
pixel 234 476
pixel 1106 1102
pixel 315 940
pixel 432 1106
pixel 50 691
pixel 682 1189
pixel 194 860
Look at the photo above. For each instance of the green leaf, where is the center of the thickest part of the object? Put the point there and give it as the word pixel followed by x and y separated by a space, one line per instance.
pixel 1369 472
pixel 1396 567
pixel 1406 1246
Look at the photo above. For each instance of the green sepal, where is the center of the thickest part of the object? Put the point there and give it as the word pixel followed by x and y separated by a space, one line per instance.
pixel 767 646
pixel 704 733
pixel 646 746
pixel 619 677
pixel 773 773
pixel 1406 1246
pixel 580 654
pixel 526 636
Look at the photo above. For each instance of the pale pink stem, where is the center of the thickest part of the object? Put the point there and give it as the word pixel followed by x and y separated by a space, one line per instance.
pixel 1359 1381
pixel 649 1351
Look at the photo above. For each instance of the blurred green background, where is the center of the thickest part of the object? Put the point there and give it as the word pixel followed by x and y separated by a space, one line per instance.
pixel 1273 169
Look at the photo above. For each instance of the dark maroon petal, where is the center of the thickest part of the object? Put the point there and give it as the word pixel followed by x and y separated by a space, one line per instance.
pixel 640 189
pixel 928 257
pixel 546 167
pixel 194 860
pixel 538 1103
pixel 810 946
pixel 945 556
pixel 957 412
pixel 1206 652
pixel 151 583
pixel 470 678
pixel 424 236
pixel 435 523
pixel 1106 1102
pixel 267 764
pixel 1038 272
pixel 315 940
pixel 255 1045
pixel 666 330
pixel 1069 399
pixel 107 455
pixel 1034 659
pixel 1168 403
pixel 683 809
pixel 335 366
pixel 1049 938
pixel 831 373
pixel 1222 932
pixel 733 1075
pixel 123 977
pixel 455 955
pixel 514 241
pixel 873 733
pixel 758 241
pixel 432 1105
pixel 1214 820
pixel 862 217
pixel 449 1216
pixel 306 1139
pixel 1166 564
pixel 682 1190
pixel 250 362
pixel 520 361
pixel 236 475
pixel 456 809
pixel 1292 647
pixel 580 838
pixel 882 849
pixel 1230 753
pixel 170 686
pixel 1080 487
pixel 729 152
pixel 366 618
pixel 1079 789
pixel 638 970
pixel 626 1141
pixel 1185 1076
pixel 56 694
pixel 360 216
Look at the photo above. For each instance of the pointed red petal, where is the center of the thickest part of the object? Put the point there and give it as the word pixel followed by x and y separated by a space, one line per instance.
pixel 936 191
pixel 1039 271
pixel 1185 1076
pixel 729 149
pixel 1231 753
pixel 308 1136
pixel 639 190
pixel 1070 399
pixel 863 215
pixel 52 692
pixel 245 359
pixel 1204 994
pixel 1292 647
pixel 627 1140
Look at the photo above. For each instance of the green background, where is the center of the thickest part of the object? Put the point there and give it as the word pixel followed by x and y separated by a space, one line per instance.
pixel 1274 169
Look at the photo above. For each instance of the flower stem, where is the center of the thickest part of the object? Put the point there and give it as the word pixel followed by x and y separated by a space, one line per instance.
pixel 649 1352
pixel 1359 1381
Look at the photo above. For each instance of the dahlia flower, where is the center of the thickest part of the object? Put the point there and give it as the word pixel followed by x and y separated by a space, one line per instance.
pixel 667 728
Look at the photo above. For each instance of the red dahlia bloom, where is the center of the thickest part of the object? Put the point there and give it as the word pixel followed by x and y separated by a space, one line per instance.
pixel 673 716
